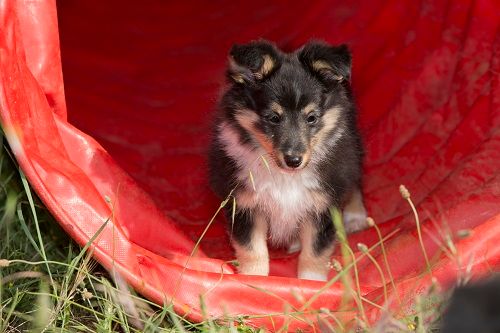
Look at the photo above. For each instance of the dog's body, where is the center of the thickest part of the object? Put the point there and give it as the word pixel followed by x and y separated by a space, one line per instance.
pixel 287 147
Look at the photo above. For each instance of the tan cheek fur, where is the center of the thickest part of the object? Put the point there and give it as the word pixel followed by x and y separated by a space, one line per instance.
pixel 330 119
pixel 247 119
pixel 307 155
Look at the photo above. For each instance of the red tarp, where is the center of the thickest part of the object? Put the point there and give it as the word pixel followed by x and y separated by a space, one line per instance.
pixel 128 140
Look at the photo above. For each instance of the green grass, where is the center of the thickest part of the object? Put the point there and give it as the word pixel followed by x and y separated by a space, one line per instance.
pixel 49 284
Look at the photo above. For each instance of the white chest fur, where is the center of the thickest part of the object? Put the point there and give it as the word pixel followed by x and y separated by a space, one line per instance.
pixel 285 198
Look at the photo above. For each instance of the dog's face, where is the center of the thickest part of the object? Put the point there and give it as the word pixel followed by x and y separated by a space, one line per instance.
pixel 289 103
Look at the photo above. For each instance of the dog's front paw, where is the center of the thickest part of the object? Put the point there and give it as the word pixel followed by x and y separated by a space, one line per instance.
pixel 313 275
pixel 254 267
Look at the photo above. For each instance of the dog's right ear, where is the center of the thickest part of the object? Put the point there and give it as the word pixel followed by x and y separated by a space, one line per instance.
pixel 252 62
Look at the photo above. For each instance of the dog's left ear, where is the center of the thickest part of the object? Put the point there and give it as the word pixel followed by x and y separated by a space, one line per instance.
pixel 330 63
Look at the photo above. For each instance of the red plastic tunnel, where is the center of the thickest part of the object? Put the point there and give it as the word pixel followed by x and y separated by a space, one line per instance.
pixel 124 138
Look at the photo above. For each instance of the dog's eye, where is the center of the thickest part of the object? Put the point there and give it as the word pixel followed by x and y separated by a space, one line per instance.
pixel 273 118
pixel 312 119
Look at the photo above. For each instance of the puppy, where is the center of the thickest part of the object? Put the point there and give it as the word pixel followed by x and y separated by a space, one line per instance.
pixel 286 146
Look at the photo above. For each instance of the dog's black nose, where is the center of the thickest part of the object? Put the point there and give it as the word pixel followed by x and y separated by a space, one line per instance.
pixel 293 161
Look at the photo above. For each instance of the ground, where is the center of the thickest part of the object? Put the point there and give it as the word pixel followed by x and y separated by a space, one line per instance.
pixel 48 283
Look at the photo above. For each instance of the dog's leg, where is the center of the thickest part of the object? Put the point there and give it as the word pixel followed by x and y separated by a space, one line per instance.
pixel 355 213
pixel 317 238
pixel 250 243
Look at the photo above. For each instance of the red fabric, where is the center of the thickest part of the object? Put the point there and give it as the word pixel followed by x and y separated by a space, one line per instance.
pixel 141 84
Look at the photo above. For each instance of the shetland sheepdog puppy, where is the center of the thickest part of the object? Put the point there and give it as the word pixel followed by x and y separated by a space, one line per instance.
pixel 287 148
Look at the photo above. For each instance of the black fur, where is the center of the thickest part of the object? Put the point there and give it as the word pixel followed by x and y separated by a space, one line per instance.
pixel 293 82
pixel 326 233
pixel 474 308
